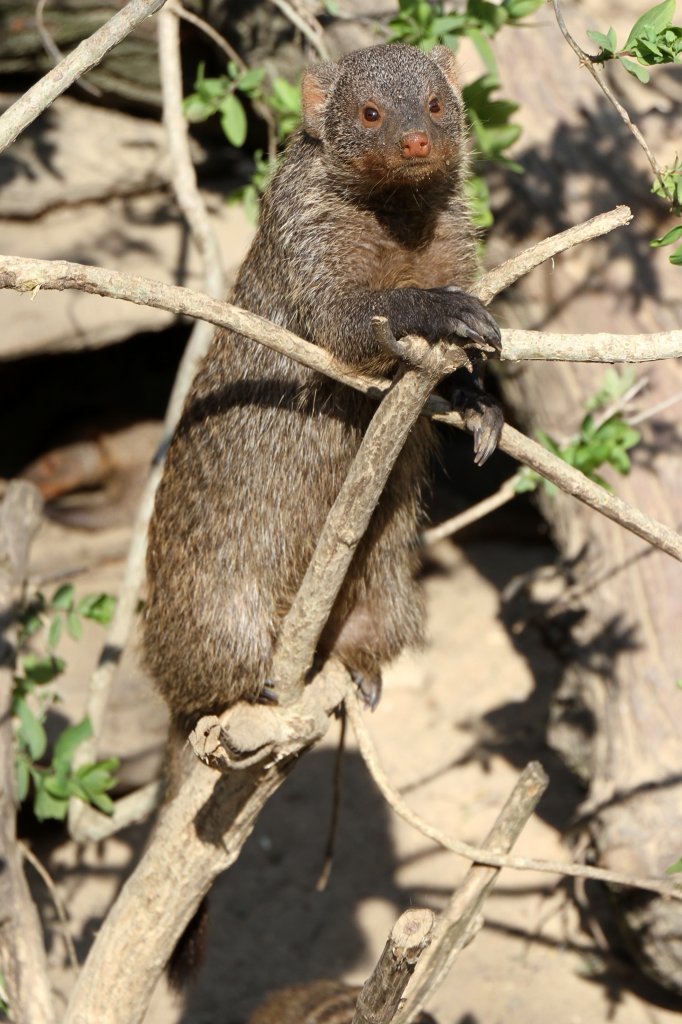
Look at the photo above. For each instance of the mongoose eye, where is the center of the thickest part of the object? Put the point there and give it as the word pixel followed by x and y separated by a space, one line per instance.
pixel 435 105
pixel 370 114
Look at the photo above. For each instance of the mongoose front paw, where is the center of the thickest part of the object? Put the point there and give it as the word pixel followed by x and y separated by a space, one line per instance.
pixel 470 316
pixel 440 313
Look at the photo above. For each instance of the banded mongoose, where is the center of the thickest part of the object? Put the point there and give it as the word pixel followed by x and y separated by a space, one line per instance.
pixel 364 216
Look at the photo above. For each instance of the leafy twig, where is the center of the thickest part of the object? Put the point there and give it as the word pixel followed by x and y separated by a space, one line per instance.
pixel 597 72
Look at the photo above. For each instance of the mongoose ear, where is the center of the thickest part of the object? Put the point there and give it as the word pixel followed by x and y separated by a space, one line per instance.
pixel 315 89
pixel 445 59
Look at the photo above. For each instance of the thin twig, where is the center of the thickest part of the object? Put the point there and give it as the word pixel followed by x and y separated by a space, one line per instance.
pixel 85 56
pixel 308 26
pixel 597 72
pixel 646 414
pixel 480 854
pixel 62 913
pixel 504 494
pixel 53 51
pixel 511 270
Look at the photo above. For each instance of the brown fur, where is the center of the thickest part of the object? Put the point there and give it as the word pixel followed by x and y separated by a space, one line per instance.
pixel 317 1002
pixel 349 228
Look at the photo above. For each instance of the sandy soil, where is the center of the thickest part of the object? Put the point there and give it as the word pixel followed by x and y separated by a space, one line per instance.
pixel 456 723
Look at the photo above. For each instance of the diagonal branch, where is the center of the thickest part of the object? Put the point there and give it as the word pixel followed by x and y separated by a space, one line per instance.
pixel 86 55
pixel 32 275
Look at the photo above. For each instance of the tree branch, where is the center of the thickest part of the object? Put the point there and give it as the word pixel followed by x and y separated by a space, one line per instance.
pixel 597 72
pixel 199 835
pixel 459 922
pixel 511 270
pixel 86 55
pixel 31 275
pixel 22 952
pixel 480 854
pixel 380 997
pixel 351 512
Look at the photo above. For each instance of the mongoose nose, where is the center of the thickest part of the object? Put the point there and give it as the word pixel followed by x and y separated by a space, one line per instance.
pixel 415 144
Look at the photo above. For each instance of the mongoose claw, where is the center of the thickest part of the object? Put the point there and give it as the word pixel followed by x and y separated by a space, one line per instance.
pixel 268 694
pixel 369 687
pixel 440 313
pixel 482 416
pixel 472 319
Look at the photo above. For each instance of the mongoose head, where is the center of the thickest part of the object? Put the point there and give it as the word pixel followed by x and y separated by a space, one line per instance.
pixel 387 116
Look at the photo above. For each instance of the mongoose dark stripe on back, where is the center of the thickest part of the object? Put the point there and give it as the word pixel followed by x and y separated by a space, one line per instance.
pixel 365 216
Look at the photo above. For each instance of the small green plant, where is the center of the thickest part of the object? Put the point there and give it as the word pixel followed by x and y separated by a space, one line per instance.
pixel 222 96
pixel 599 441
pixel 53 783
pixel 653 40
pixel 219 96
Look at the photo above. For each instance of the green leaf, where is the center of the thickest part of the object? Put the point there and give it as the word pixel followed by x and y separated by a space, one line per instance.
pixel 69 740
pixel 197 109
pixel 233 120
pixel 285 96
pixel 63 598
pixel 74 625
pixel 522 8
pixel 57 786
pixel 23 778
pixel 675 868
pixel 55 633
pixel 607 43
pixel 251 80
pixel 491 16
pixel 31 732
pixel 527 480
pixel 102 802
pixel 667 239
pixel 676 258
pixel 31 623
pixel 635 69
pixel 485 50
pixel 98 607
pixel 656 19
pixel 98 777
pixel 331 7
pixel 45 805
pixel 42 670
